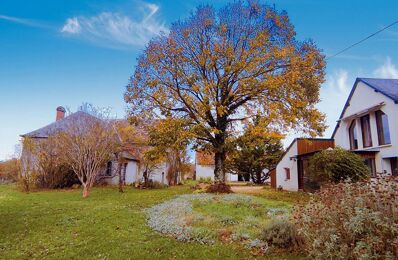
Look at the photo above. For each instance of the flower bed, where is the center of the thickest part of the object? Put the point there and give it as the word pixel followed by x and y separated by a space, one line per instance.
pixel 207 218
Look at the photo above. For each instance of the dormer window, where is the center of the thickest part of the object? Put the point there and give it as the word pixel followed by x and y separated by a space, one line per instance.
pixel 383 130
pixel 353 135
pixel 366 134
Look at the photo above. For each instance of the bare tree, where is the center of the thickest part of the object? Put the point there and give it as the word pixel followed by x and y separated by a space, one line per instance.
pixel 88 144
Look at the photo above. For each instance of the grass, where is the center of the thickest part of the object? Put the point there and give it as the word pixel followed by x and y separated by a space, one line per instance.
pixel 107 225
pixel 237 216
pixel 289 197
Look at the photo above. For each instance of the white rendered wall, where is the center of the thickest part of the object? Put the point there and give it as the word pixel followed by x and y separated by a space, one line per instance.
pixel 287 162
pixel 365 97
pixel 205 171
pixel 131 172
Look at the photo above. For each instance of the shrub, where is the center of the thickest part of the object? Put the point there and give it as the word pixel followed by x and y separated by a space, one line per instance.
pixel 9 170
pixel 219 188
pixel 59 177
pixel 335 165
pixel 206 180
pixel 151 184
pixel 351 221
pixel 280 233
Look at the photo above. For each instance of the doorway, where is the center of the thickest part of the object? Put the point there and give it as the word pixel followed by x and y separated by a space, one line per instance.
pixel 394 166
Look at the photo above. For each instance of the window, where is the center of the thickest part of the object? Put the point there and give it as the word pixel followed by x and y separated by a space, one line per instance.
pixel 353 135
pixel 366 134
pixel 287 173
pixel 370 162
pixel 394 166
pixel 383 131
pixel 108 169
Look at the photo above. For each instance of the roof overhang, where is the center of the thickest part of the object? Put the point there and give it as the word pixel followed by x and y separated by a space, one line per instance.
pixel 389 156
pixel 129 156
pixel 367 151
pixel 363 112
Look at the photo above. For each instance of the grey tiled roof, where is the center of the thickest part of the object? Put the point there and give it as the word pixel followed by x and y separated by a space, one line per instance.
pixel 60 125
pixel 388 87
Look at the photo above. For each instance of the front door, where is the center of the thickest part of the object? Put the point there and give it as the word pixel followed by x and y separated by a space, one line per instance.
pixel 394 166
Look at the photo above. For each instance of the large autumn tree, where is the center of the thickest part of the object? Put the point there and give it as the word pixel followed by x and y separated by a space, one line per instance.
pixel 216 68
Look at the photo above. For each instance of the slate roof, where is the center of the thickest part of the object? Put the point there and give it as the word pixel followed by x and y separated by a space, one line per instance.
pixel 387 87
pixel 60 125
pixel 132 151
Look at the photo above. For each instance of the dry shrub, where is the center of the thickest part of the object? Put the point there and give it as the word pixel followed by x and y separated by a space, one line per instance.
pixel 351 221
pixel 282 234
pixel 219 188
pixel 10 170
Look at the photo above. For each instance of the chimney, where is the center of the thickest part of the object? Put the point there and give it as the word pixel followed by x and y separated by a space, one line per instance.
pixel 60 113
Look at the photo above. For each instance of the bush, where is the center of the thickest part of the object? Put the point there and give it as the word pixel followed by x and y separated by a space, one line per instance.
pixel 335 165
pixel 280 233
pixel 151 185
pixel 9 170
pixel 351 221
pixel 219 188
pixel 58 178
pixel 206 180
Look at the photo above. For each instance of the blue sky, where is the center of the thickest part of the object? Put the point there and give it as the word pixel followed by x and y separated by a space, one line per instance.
pixel 67 52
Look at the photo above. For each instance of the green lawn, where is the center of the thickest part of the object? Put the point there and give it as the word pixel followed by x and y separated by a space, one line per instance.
pixel 107 225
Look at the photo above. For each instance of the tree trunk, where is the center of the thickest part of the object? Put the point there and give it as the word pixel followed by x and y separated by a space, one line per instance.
pixel 219 169
pixel 121 178
pixel 86 191
pixel 145 175
pixel 177 168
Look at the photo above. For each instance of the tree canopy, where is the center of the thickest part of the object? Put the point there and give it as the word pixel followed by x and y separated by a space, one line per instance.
pixel 254 152
pixel 219 67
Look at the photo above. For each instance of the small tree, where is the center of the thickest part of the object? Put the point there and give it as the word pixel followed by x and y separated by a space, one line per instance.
pixel 87 145
pixel 169 138
pixel 149 162
pixel 336 165
pixel 256 150
pixel 135 138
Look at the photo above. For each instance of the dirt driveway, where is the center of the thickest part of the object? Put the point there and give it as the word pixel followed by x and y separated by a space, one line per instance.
pixel 247 189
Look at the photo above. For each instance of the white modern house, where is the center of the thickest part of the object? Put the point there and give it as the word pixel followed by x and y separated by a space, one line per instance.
pixel 367 126
pixel 291 169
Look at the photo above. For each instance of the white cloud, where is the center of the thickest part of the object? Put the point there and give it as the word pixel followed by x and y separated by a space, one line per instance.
pixel 113 29
pixel 338 80
pixel 71 26
pixel 23 21
pixel 387 70
pixel 334 93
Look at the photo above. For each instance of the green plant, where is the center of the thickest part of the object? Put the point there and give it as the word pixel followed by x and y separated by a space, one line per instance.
pixel 206 180
pixel 351 221
pixel 335 165
pixel 280 233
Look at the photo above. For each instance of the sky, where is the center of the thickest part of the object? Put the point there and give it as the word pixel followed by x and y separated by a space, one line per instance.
pixel 67 52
